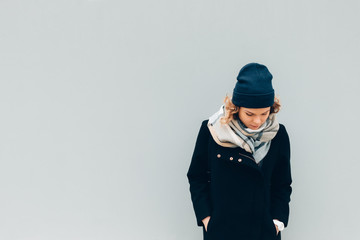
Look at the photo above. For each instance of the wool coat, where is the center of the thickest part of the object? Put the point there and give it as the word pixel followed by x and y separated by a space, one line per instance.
pixel 241 197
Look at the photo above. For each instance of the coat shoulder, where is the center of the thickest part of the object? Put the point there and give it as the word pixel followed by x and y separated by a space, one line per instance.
pixel 283 135
pixel 205 122
pixel 204 127
pixel 204 130
pixel 282 129
pixel 281 126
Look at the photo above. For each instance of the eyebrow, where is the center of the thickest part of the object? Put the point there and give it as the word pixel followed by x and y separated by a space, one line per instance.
pixel 253 113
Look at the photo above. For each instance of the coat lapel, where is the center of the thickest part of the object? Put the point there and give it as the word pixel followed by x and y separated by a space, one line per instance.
pixel 238 156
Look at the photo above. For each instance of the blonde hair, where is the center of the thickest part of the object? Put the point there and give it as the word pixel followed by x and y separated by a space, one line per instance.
pixel 231 110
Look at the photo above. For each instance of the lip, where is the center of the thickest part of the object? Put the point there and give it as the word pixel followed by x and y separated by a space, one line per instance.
pixel 254 126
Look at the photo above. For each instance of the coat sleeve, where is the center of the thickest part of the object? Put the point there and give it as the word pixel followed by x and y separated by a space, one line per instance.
pixel 281 182
pixel 198 177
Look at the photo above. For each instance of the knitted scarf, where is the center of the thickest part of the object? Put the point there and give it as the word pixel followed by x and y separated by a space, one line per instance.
pixel 235 133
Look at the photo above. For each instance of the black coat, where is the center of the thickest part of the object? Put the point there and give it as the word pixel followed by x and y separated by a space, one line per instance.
pixel 241 197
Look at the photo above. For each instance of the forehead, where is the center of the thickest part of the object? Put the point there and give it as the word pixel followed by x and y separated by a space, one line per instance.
pixel 255 110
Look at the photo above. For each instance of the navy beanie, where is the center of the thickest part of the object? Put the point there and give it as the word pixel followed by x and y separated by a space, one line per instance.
pixel 253 88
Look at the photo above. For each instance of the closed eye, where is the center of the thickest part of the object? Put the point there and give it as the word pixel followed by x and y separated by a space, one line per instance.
pixel 264 114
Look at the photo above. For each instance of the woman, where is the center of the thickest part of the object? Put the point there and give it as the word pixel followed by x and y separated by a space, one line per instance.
pixel 240 176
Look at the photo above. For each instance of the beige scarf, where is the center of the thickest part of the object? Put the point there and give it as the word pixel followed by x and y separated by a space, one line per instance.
pixel 235 134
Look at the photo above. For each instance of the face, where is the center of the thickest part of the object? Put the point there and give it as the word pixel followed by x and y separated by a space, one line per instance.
pixel 253 118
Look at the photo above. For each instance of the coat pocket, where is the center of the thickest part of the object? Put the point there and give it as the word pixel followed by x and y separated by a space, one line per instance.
pixel 275 233
pixel 274 229
pixel 271 228
pixel 209 223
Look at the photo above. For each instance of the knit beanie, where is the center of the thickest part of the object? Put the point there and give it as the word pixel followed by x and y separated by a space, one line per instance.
pixel 253 88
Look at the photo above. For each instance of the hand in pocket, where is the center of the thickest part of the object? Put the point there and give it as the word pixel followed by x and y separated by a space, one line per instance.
pixel 277 229
pixel 206 222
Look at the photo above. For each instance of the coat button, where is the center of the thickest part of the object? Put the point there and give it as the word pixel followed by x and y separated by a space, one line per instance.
pixel 218 155
pixel 231 158
pixel 239 160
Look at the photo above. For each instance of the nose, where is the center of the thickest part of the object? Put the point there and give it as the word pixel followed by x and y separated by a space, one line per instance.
pixel 257 121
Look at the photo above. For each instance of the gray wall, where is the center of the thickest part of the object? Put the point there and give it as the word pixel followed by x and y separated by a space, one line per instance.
pixel 101 102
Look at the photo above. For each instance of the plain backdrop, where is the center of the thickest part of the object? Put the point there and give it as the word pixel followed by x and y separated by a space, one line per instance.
pixel 101 102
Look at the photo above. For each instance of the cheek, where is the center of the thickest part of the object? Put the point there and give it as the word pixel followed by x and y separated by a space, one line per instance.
pixel 263 119
pixel 245 118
